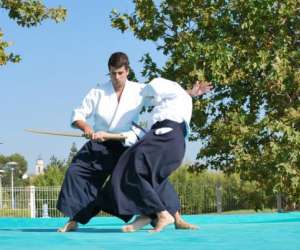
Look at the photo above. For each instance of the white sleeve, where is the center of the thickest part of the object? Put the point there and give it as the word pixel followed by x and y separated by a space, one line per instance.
pixel 86 109
pixel 164 88
pixel 132 136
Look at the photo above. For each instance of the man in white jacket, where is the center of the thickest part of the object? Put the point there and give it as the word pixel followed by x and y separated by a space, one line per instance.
pixel 113 105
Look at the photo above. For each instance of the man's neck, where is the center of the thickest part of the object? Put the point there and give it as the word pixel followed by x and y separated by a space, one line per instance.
pixel 119 90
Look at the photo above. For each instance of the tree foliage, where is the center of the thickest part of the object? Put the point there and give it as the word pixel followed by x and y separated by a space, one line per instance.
pixel 26 13
pixel 73 152
pixel 53 175
pixel 198 192
pixel 19 169
pixel 250 50
pixel 55 170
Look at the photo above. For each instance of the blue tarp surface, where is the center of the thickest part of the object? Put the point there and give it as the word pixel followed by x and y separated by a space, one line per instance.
pixel 244 231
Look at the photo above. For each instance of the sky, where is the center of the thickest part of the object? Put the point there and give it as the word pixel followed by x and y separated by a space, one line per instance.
pixel 60 63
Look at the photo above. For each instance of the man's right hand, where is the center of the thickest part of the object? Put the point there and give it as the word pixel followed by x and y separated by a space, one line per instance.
pixel 88 132
pixel 85 127
pixel 99 136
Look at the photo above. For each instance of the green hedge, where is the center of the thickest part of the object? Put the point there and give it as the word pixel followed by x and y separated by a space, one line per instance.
pixel 197 192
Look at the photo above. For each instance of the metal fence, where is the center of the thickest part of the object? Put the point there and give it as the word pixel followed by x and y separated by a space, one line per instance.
pixel 29 202
pixel 41 201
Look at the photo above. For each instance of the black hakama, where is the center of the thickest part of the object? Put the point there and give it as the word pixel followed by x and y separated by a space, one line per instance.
pixel 85 177
pixel 139 183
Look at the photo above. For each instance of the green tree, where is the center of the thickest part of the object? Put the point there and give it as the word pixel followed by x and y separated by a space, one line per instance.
pixel 19 169
pixel 53 175
pixel 250 50
pixel 131 75
pixel 73 152
pixel 26 13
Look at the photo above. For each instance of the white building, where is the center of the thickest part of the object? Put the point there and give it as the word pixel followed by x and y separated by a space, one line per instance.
pixel 39 166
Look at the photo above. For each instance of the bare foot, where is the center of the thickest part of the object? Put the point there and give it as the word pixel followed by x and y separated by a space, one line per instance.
pixel 164 219
pixel 137 224
pixel 68 227
pixel 181 224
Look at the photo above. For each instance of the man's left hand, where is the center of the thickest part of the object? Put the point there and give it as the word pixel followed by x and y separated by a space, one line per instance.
pixel 200 88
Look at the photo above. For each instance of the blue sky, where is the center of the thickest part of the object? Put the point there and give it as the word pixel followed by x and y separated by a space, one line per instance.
pixel 60 63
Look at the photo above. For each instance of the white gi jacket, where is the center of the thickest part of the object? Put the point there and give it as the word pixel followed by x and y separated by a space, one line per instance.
pixel 163 99
pixel 101 103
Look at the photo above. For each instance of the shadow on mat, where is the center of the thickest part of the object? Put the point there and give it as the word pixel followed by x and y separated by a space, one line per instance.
pixel 291 220
pixel 54 230
pixel 99 230
pixel 106 224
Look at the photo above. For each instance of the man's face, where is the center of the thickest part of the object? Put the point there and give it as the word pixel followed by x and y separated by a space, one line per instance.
pixel 118 75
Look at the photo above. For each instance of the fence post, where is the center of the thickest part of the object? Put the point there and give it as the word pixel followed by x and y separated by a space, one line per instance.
pixel 45 210
pixel 1 194
pixel 32 202
pixel 219 197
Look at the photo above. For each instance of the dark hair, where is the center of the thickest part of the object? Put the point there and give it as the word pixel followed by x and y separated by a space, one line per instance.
pixel 118 60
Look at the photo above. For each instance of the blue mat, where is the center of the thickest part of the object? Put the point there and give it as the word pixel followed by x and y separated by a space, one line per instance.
pixel 252 231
